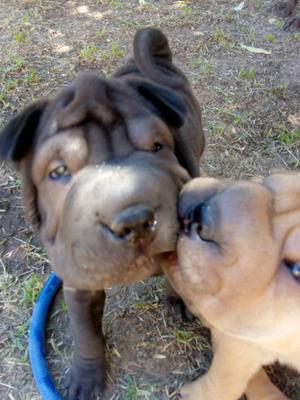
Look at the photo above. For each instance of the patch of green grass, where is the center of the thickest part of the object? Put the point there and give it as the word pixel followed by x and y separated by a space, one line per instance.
pixel 20 36
pixel 135 391
pixel 229 114
pixel 226 114
pixel 183 16
pixel 130 24
pixel 116 50
pixel 251 74
pixel 22 330
pixel 297 35
pixel 161 286
pixel 62 308
pixel 270 38
pixel 288 137
pixel 88 52
pixel 223 38
pixel 101 32
pixel 111 3
pixel 15 182
pixel 140 305
pixel 31 289
pixel 217 129
pixel 183 337
pixel 238 120
pixel 19 340
pixel 206 68
pixel 280 91
pixel 247 73
pixel 297 394
pixel 31 76
pixel 250 32
pixel 279 24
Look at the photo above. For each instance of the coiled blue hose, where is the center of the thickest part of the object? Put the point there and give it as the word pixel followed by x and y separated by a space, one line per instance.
pixel 37 328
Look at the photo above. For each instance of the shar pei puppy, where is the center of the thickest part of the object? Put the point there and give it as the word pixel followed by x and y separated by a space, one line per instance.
pixel 102 163
pixel 238 267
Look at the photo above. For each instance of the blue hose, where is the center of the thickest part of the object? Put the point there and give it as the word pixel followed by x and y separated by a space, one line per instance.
pixel 37 328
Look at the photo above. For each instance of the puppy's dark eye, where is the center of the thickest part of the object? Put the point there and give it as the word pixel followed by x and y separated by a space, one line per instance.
pixel 60 172
pixel 294 268
pixel 157 147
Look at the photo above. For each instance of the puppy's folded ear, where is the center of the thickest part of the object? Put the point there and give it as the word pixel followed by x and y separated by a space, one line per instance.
pixel 164 102
pixel 18 135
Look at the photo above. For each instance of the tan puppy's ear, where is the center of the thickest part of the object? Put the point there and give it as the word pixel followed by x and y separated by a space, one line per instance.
pixel 286 189
pixel 18 135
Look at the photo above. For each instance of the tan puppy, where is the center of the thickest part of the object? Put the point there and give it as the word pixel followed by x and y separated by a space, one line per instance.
pixel 239 267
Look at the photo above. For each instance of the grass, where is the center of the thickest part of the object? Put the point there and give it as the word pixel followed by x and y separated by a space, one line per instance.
pixel 31 289
pixel 111 3
pixel 223 38
pixel 217 129
pixel 288 137
pixel 133 391
pixel 280 91
pixel 206 68
pixel 183 16
pixel 20 36
pixel 247 73
pixel 270 38
pixel 101 32
pixel 116 50
pixel 88 52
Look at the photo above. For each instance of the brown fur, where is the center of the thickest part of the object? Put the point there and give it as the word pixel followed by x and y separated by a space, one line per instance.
pixel 126 145
pixel 288 8
pixel 232 270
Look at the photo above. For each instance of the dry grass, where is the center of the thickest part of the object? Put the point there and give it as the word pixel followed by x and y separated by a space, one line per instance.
pixel 251 117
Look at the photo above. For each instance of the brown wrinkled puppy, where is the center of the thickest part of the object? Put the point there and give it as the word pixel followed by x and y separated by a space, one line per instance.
pixel 103 162
pixel 239 268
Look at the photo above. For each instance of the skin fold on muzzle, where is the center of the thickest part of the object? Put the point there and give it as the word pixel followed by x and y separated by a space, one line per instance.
pixel 238 268
pixel 102 163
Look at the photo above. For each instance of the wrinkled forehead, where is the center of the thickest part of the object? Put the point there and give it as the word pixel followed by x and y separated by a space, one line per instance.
pixel 285 188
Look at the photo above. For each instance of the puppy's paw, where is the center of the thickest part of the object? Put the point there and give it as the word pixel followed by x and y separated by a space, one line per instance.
pixel 86 379
pixel 284 8
pixel 292 24
pixel 191 391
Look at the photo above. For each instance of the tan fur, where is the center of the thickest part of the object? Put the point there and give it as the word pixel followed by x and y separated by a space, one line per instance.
pixel 233 274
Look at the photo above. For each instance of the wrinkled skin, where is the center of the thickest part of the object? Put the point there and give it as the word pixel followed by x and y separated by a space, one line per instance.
pixel 102 163
pixel 236 254
pixel 288 9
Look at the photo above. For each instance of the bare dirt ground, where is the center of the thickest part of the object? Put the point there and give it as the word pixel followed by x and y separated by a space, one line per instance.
pixel 251 119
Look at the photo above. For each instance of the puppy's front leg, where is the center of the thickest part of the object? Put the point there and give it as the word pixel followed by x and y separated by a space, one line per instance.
pixel 261 388
pixel 87 374
pixel 235 362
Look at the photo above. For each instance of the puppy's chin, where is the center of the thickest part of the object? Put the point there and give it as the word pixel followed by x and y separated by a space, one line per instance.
pixel 197 265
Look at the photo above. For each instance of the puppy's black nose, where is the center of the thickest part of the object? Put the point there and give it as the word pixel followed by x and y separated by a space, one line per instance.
pixel 193 214
pixel 134 223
